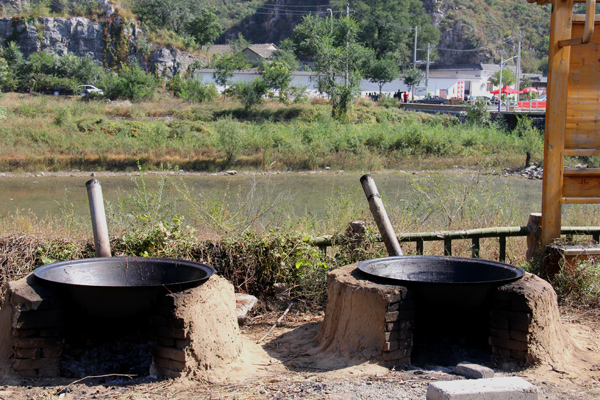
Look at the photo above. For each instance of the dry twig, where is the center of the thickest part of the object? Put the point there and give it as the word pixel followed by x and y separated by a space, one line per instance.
pixel 275 324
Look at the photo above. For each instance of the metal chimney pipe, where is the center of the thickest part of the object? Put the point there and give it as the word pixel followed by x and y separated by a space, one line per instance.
pixel 381 218
pixel 99 226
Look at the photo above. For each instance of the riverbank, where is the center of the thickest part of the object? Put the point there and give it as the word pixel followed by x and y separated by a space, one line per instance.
pixel 53 134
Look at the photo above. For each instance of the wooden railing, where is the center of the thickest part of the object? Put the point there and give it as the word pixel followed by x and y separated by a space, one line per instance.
pixel 531 231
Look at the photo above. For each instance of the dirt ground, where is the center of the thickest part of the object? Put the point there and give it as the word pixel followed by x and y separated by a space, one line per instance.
pixel 287 366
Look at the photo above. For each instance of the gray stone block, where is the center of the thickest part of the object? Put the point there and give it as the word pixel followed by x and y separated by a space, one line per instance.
pixel 474 371
pixel 509 388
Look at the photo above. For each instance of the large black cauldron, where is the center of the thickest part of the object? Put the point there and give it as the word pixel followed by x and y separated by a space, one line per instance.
pixel 443 280
pixel 122 286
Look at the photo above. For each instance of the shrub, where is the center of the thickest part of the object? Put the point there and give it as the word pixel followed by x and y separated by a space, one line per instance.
pixel 131 83
pixel 250 93
pixel 192 90
pixel 229 138
pixel 478 114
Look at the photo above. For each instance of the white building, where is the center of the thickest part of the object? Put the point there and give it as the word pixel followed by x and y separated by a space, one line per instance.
pixel 456 81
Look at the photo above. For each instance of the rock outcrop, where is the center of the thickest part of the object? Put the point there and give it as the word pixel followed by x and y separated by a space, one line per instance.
pixel 83 37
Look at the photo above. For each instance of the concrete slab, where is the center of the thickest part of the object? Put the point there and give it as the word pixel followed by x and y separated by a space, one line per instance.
pixel 505 388
pixel 474 371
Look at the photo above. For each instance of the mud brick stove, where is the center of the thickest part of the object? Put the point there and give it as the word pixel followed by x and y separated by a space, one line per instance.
pixel 515 324
pixel 44 331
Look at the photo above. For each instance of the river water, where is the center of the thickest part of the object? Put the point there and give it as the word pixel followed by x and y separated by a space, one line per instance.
pixel 297 194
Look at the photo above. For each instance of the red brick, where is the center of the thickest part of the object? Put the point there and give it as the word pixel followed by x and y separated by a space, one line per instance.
pixel 508 344
pixel 519 336
pixel 170 373
pixel 28 343
pixel 390 346
pixel 52 352
pixel 26 333
pixel 21 364
pixel 520 326
pixel 182 343
pixel 28 353
pixel 519 355
pixel 391 316
pixel 166 331
pixel 169 352
pixel 399 325
pixel 166 341
pixel 170 364
pixel 396 354
pixel 520 317
pixel 500 333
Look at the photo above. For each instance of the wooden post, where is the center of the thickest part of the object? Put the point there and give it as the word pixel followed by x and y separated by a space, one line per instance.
pixel 556 118
pixel 101 241
pixel 535 234
pixel 381 218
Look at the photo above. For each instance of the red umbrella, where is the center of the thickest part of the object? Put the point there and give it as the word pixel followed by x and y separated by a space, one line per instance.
pixel 505 90
pixel 528 90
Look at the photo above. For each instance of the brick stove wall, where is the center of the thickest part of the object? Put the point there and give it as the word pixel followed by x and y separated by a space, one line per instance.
pixel 195 329
pixel 376 321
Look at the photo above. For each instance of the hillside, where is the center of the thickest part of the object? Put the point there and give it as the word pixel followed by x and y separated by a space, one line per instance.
pixel 469 31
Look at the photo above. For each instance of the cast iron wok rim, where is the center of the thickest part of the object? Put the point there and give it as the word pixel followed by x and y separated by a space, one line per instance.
pixel 42 271
pixel 516 271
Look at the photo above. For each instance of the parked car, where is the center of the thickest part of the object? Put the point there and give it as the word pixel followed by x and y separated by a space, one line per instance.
pixel 432 100
pixel 59 90
pixel 88 89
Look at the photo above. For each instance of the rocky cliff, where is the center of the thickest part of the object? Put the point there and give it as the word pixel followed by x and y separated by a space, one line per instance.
pixel 98 40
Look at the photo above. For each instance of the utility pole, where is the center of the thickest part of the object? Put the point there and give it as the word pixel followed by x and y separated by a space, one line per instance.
pixel 500 87
pixel 415 48
pixel 347 45
pixel 519 63
pixel 330 20
pixel 427 69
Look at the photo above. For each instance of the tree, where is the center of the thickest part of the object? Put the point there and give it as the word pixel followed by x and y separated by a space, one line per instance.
pixel 205 28
pixel 224 67
pixel 508 78
pixel 277 76
pixel 385 26
pixel 250 93
pixel 382 72
pixel 339 59
pixel 412 77
pixel 167 14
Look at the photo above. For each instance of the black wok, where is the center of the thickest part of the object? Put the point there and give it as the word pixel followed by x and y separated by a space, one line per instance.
pixel 122 286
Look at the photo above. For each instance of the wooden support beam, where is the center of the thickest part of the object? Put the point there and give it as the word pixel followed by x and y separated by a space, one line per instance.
pixel 554 138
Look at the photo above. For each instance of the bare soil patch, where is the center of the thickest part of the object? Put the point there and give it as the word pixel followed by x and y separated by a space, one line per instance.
pixel 287 366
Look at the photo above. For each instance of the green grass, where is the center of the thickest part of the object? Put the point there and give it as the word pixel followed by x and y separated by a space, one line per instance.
pixel 48 133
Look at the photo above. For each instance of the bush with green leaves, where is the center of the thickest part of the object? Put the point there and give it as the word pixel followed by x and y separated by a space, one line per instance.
pixel 191 89
pixel 251 92
pixel 478 113
pixel 229 138
pixel 131 83
pixel 532 143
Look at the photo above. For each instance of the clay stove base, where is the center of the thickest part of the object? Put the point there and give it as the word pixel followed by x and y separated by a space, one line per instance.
pixel 376 322
pixel 192 331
